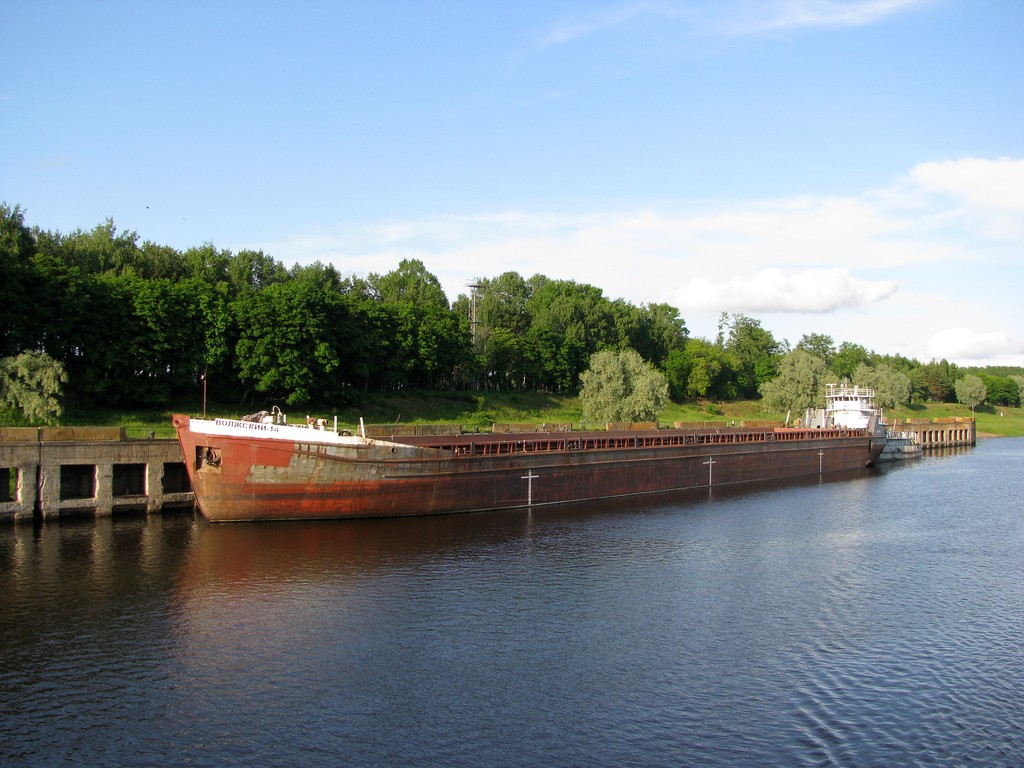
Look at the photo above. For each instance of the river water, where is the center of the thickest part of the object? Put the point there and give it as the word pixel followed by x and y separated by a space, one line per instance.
pixel 872 620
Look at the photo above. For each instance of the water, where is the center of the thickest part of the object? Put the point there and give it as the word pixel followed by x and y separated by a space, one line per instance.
pixel 872 621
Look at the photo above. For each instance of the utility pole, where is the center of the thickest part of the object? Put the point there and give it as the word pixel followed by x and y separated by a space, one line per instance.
pixel 474 321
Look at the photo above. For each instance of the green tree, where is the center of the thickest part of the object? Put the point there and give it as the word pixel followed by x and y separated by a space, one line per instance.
pixel 892 388
pixel 1019 381
pixel 933 382
pixel 287 347
pixel 17 281
pixel 162 261
pixel 677 371
pixel 896 362
pixel 970 390
pixel 442 346
pixel 431 340
pixel 103 249
pixel 502 320
pixel 502 303
pixel 819 345
pixel 800 384
pixel 411 282
pixel 504 359
pixel 846 361
pixel 569 322
pixel 61 284
pixel 1000 390
pixel 118 351
pixel 32 384
pixel 621 386
pixel 543 360
pixel 96 333
pixel 366 333
pixel 756 351
pixel 208 263
pixel 701 369
pixel 653 330
pixel 664 329
pixel 324 277
pixel 181 333
pixel 253 271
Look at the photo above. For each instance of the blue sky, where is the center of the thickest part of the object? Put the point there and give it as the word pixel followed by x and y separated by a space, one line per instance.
pixel 854 168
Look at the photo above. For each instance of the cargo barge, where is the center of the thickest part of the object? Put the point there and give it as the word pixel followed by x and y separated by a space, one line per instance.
pixel 267 469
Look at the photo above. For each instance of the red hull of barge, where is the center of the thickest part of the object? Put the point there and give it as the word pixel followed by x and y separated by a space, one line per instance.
pixel 258 472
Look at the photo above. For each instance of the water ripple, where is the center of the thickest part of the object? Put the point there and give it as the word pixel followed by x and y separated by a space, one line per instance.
pixel 874 621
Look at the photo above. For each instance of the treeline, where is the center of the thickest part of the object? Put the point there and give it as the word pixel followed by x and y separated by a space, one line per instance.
pixel 139 324
pixel 144 324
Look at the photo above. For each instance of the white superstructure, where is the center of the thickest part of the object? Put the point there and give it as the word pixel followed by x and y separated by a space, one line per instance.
pixel 846 407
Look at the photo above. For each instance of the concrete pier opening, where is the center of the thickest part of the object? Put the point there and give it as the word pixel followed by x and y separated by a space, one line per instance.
pixel 77 481
pixel 8 484
pixel 129 480
pixel 175 478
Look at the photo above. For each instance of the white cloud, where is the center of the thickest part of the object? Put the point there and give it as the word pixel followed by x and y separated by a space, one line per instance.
pixel 775 290
pixel 608 19
pixel 739 18
pixel 820 252
pixel 755 18
pixel 980 347
pixel 978 182
pixel 885 268
pixel 987 195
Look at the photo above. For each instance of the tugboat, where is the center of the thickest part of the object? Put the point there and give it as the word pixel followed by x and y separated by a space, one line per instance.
pixel 849 407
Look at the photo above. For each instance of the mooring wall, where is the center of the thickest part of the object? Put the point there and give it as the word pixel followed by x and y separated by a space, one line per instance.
pixel 939 433
pixel 50 471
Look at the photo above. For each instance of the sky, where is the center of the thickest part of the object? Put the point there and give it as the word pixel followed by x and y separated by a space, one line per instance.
pixel 853 168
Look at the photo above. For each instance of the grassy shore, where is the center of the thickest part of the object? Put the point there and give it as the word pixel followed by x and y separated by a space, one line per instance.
pixel 992 421
pixel 475 409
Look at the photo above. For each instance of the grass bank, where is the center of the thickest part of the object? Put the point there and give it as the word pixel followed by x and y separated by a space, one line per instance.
pixel 991 420
pixel 477 409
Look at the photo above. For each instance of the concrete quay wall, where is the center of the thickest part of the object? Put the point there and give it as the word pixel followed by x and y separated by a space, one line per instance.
pixel 53 471
pixel 939 433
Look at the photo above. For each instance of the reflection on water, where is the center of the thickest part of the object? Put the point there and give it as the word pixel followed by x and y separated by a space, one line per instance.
pixel 871 620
